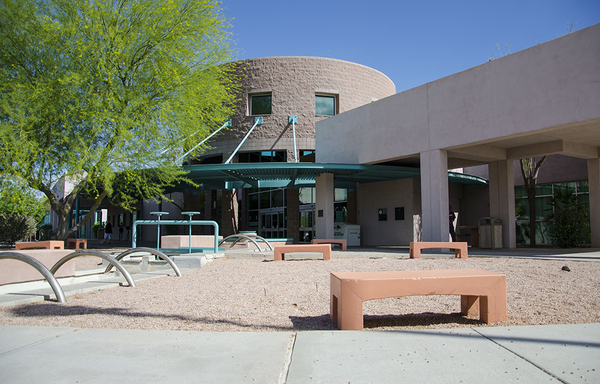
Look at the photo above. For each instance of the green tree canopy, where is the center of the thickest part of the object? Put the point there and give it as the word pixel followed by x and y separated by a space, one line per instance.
pixel 92 89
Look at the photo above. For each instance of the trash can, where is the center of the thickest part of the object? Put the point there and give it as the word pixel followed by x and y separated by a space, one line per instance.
pixel 490 232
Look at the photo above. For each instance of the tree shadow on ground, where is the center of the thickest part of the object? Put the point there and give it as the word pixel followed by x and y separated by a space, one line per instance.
pixel 60 310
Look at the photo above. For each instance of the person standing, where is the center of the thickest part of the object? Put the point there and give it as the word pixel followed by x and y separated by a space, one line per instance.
pixel 107 232
pixel 451 218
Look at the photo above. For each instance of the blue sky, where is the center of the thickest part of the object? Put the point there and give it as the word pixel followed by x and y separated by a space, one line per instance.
pixel 412 42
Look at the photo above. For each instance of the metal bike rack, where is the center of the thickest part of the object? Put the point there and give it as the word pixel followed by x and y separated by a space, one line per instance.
pixel 175 222
pixel 48 275
pixel 86 252
pixel 148 250
pixel 247 237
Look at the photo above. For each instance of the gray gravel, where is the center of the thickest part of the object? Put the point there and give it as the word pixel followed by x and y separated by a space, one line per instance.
pixel 256 294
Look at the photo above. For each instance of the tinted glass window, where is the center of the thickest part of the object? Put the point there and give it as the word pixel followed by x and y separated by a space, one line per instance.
pixel 260 105
pixel 325 105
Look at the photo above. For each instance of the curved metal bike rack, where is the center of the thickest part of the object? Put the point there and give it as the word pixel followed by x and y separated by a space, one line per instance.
pixel 247 237
pixel 58 291
pixel 148 250
pixel 86 252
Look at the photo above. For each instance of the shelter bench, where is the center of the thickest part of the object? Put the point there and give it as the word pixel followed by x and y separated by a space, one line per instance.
pixel 460 248
pixel 43 244
pixel 341 242
pixel 480 291
pixel 77 243
pixel 280 250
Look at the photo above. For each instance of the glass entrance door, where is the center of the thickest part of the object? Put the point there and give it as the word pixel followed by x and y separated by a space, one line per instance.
pixel 307 222
pixel 272 224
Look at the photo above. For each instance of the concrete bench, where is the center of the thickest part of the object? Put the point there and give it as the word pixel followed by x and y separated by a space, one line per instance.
pixel 14 271
pixel 280 251
pixel 480 291
pixel 460 248
pixel 341 242
pixel 45 244
pixel 77 243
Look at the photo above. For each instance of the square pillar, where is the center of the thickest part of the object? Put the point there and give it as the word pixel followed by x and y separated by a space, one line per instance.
pixel 293 214
pixel 502 199
pixel 324 206
pixel 593 166
pixel 434 196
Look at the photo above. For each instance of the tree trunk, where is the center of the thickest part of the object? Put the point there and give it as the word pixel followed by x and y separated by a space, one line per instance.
pixel 532 217
pixel 530 170
pixel 62 210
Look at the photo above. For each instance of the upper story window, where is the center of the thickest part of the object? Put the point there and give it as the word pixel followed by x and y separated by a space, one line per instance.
pixel 260 104
pixel 262 157
pixel 325 105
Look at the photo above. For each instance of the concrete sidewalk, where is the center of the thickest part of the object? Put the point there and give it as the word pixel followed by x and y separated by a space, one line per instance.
pixel 527 354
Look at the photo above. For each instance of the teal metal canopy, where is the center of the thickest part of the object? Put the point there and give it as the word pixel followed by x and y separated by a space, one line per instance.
pixel 296 175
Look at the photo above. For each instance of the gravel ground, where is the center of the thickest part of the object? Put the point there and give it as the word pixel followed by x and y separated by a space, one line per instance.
pixel 255 294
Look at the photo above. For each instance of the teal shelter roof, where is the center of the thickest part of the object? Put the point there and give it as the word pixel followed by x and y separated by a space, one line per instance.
pixel 296 175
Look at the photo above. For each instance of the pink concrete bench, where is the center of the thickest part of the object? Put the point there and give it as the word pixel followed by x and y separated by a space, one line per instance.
pixel 480 292
pixel 77 243
pixel 280 251
pixel 45 244
pixel 341 242
pixel 460 248
pixel 14 271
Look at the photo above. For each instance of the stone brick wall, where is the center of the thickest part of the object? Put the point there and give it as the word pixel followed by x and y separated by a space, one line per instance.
pixel 293 83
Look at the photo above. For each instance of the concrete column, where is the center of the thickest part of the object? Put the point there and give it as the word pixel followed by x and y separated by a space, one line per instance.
pixel 324 206
pixel 293 214
pixel 243 219
pixel 434 196
pixel 352 207
pixel 229 211
pixel 502 199
pixel 593 166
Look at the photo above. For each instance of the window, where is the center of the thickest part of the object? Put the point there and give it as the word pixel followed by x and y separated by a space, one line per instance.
pixel 260 104
pixel 325 105
pixel 399 213
pixel 307 155
pixel 262 157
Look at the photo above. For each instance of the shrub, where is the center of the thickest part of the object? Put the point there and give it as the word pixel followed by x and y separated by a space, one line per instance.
pixel 569 224
pixel 15 227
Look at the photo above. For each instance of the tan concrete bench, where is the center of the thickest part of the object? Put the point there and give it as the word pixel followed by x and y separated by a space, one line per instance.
pixel 341 242
pixel 460 248
pixel 480 291
pixel 77 243
pixel 280 251
pixel 45 244
pixel 14 271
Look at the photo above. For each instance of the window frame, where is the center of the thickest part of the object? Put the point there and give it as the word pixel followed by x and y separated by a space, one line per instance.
pixel 329 96
pixel 260 94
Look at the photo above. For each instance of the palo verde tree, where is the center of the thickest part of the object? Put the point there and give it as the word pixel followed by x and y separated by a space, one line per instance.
pixel 93 92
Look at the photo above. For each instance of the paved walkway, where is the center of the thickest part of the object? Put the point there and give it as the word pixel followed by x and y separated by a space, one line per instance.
pixel 527 354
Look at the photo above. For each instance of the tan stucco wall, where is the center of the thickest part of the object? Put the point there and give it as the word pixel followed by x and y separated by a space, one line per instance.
pixel 293 83
pixel 389 194
pixel 545 86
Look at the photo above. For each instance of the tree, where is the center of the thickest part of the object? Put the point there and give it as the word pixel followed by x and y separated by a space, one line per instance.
pixel 530 169
pixel 93 92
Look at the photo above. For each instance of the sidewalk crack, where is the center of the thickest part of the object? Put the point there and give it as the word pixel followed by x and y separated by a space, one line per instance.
pixel 288 359
pixel 522 357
